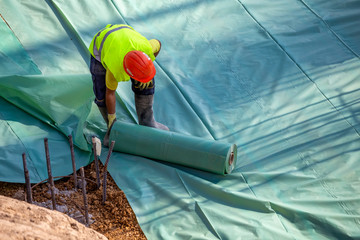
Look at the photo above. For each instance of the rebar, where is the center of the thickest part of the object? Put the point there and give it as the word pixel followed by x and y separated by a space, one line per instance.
pixel 27 180
pixel 73 160
pixel 51 180
pixel 96 160
pixel 84 195
pixel 105 170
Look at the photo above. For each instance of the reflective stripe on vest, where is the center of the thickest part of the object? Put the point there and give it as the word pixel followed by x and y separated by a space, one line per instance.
pixel 97 53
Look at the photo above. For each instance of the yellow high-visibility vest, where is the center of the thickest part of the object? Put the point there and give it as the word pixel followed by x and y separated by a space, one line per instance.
pixel 110 45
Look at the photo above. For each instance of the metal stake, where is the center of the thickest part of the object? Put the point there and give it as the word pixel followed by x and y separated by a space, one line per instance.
pixel 73 160
pixel 27 180
pixel 84 195
pixel 105 170
pixel 96 164
pixel 51 180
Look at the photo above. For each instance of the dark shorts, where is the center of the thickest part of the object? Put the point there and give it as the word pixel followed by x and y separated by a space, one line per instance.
pixel 135 86
pixel 98 73
pixel 98 77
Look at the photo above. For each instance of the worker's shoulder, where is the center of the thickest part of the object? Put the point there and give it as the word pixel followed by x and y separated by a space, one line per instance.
pixel 119 26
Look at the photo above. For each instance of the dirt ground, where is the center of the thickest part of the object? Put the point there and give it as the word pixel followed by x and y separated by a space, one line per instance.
pixel 115 219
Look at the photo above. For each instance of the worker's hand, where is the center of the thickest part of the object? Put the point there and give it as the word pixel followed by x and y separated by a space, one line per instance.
pixel 143 86
pixel 111 118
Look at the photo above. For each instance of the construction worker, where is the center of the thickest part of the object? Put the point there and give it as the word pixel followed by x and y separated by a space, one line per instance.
pixel 118 54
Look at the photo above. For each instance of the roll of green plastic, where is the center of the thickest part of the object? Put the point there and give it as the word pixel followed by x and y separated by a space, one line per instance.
pixel 203 154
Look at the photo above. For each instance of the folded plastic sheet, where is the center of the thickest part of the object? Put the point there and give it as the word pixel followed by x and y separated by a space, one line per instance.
pixel 37 99
pixel 207 155
pixel 278 78
pixel 22 133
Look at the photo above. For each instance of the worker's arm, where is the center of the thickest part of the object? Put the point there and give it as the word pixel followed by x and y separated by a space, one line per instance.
pixel 110 101
pixel 155 45
pixel 110 97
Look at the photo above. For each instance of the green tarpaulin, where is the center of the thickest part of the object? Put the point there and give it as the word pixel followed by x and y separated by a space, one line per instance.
pixel 280 79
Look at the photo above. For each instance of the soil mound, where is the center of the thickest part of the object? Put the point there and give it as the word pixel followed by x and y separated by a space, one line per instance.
pixel 21 220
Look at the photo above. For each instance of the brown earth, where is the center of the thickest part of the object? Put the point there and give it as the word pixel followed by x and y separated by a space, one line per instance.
pixel 115 219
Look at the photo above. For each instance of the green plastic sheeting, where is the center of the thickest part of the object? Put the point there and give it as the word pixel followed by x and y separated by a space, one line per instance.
pixel 37 100
pixel 212 156
pixel 280 79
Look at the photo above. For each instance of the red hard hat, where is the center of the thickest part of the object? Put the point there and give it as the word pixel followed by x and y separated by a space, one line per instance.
pixel 139 66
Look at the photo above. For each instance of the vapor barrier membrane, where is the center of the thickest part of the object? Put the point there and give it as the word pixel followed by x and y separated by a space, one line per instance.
pixel 280 79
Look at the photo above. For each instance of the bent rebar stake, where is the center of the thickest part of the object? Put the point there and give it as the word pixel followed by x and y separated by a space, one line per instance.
pixel 105 170
pixel 73 160
pixel 84 195
pixel 51 180
pixel 27 180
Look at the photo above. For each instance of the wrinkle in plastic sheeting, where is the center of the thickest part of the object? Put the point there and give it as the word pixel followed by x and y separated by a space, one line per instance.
pixel 277 78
